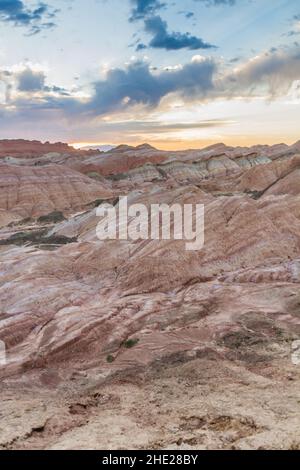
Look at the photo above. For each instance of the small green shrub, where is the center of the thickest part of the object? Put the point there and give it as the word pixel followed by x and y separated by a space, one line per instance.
pixel 98 202
pixel 37 237
pixel 110 358
pixel 18 223
pixel 117 177
pixel 255 194
pixel 94 175
pixel 53 217
pixel 130 343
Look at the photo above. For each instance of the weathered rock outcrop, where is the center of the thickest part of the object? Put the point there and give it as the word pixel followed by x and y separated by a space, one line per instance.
pixel 34 191
pixel 145 163
pixel 31 148
pixel 217 327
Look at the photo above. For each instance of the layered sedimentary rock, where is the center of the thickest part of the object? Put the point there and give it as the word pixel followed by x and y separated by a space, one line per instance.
pixel 265 178
pixel 27 149
pixel 245 241
pixel 34 191
pixel 208 336
pixel 131 166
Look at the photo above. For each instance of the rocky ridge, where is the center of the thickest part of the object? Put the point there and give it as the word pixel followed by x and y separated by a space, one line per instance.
pixel 208 335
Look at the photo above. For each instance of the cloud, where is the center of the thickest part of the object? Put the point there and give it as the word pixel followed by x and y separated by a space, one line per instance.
pixel 36 19
pixel 157 127
pixel 25 85
pixel 292 33
pixel 140 88
pixel 139 85
pixel 217 2
pixel 120 90
pixel 162 39
pixel 187 14
pixel 270 74
pixel 29 80
pixel 295 31
pixel 144 8
pixel 141 46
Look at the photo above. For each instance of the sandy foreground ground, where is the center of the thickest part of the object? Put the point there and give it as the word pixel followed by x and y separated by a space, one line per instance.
pixel 189 403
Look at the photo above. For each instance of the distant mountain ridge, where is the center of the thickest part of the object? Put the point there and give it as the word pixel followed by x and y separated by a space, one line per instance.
pixel 30 148
pixel 33 148
pixel 101 148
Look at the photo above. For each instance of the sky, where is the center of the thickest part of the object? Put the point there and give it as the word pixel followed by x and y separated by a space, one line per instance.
pixel 174 73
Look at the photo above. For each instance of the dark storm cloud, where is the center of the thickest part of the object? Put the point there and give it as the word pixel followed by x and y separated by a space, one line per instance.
pixel 36 19
pixel 163 39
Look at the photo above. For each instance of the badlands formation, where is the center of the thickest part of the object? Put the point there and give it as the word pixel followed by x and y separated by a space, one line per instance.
pixel 142 344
